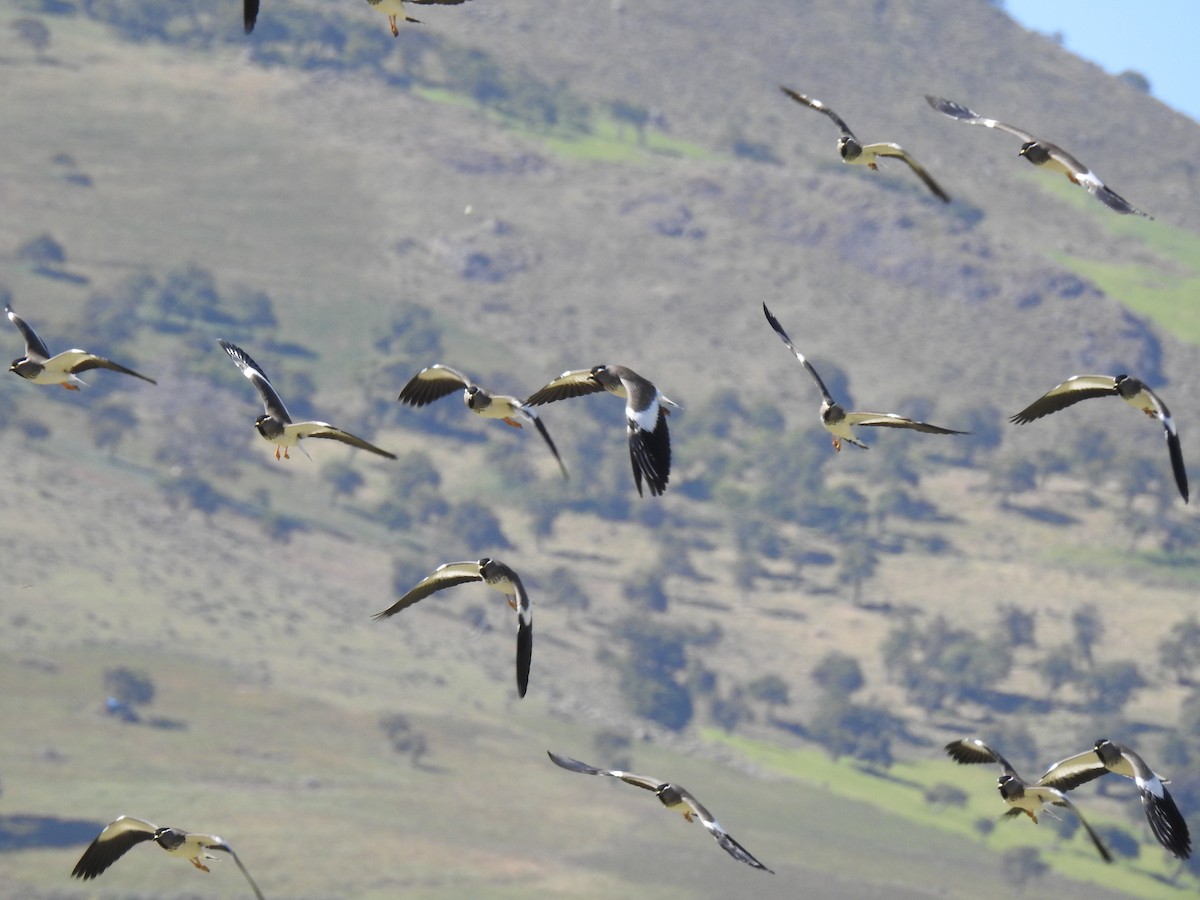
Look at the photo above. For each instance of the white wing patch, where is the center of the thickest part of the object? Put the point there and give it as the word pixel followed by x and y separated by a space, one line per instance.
pixel 646 419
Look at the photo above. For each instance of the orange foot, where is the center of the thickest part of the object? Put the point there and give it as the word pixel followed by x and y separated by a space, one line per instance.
pixel 837 445
pixel 512 601
pixel 395 30
pixel 69 386
pixel 199 865
pixel 509 420
pixel 873 167
pixel 277 448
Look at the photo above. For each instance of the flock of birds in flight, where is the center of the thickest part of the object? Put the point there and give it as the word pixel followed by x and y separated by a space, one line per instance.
pixel 646 411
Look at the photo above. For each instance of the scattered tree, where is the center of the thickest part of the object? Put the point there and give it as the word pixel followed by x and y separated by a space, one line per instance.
pixel 838 674
pixel 42 250
pixel 1021 865
pixel 850 729
pixel 1056 668
pixel 1109 686
pixel 129 686
pixel 943 794
pixel 1088 627
pixel 404 739
pixel 1135 80
pixel 1017 626
pixel 33 32
pixel 1179 651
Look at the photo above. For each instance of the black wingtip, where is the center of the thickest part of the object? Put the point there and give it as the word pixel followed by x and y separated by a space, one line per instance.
pixel 524 657
pixel 249 14
pixel 1177 466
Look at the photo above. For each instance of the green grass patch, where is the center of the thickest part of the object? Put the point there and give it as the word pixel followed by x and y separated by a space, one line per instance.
pixel 1163 291
pixel 900 792
pixel 1154 292
pixel 606 140
pixel 1154 567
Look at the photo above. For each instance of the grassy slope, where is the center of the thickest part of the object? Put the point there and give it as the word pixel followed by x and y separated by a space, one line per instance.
pixel 294 673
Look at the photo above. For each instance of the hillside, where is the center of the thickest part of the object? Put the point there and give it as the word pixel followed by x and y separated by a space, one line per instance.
pixel 351 208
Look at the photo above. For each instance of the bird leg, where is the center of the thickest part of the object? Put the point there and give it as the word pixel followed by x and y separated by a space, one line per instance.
pixel 395 30
pixel 509 420
pixel 285 453
pixel 277 448
pixel 687 814
pixel 1031 815
pixel 512 601
pixel 837 445
pixel 873 167
pixel 199 865
pixel 69 386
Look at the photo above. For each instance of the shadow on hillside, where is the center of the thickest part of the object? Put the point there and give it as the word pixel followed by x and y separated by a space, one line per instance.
pixel 1042 514
pixel 34 832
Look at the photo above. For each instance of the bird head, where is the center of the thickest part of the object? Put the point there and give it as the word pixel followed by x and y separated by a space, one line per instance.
pixel 169 838
pixel 849 148
pixel 469 395
pixel 1034 152
pixel 1009 786
pixel 669 795
pixel 601 376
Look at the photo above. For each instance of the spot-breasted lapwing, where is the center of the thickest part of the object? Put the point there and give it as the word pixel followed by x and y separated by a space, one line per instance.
pixel 1044 154
pixel 495 575
pixel 837 420
pixel 672 796
pixel 646 411
pixel 126 832
pixel 275 425
pixel 437 381
pixel 38 366
pixel 858 154
pixel 1166 821
pixel 1131 390
pixel 394 9
pixel 1020 795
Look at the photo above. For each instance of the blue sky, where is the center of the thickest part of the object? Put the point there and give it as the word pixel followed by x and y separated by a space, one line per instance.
pixel 1158 38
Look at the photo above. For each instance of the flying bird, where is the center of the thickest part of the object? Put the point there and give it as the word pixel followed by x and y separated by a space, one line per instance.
pixel 275 425
pixel 1020 795
pixel 495 575
pixel 127 831
pixel 1132 390
pixel 1044 154
pixel 437 381
pixel 858 154
pixel 672 796
pixel 394 9
pixel 1164 817
pixel 38 366
pixel 646 411
pixel 837 421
